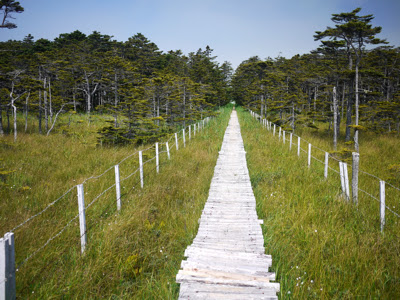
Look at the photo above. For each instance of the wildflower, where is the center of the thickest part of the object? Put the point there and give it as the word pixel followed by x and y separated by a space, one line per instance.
pixel 312 281
pixel 288 292
pixel 316 230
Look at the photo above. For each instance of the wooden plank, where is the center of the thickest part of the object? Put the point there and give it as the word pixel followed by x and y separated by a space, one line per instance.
pixel 214 280
pixel 204 273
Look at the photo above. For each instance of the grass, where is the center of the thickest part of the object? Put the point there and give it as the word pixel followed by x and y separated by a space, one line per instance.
pixel 322 246
pixel 135 253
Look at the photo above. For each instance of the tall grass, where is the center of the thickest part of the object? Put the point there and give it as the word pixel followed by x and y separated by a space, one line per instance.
pixel 134 253
pixel 322 246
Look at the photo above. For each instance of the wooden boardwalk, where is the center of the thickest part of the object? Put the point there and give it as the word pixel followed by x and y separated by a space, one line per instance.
pixel 226 259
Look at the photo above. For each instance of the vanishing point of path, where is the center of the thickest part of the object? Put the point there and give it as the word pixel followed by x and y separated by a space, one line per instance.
pixel 226 259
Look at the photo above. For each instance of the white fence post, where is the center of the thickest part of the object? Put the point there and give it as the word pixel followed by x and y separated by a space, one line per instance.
pixel 274 129
pixel 166 145
pixel 280 131
pixel 117 187
pixel 382 201
pixel 309 154
pixel 7 267
pixel 184 138
pixel 141 168
pixel 176 141
pixel 82 218
pixel 342 177
pixel 190 132
pixel 291 141
pixel 157 159
pixel 346 181
pixel 194 129
pixel 326 165
pixel 298 146
pixel 284 136
pixel 354 179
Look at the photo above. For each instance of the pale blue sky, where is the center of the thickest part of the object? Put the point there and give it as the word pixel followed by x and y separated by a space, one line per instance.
pixel 235 29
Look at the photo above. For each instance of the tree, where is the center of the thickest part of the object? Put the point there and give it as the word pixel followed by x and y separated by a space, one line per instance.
pixel 356 31
pixel 9 7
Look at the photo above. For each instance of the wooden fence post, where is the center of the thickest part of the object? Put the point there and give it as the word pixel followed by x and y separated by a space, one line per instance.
pixel 82 218
pixel 346 181
pixel 117 187
pixel 309 154
pixel 342 177
pixel 326 165
pixel 190 132
pixel 298 146
pixel 157 159
pixel 176 141
pixel 141 168
pixel 184 138
pixel 7 267
pixel 166 145
pixel 284 136
pixel 280 132
pixel 382 203
pixel 291 141
pixel 354 179
pixel 194 129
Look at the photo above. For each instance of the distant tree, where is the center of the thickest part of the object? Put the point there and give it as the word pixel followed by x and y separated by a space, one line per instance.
pixel 9 7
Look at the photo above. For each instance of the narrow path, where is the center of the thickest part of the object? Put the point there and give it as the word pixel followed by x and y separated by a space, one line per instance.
pixel 226 259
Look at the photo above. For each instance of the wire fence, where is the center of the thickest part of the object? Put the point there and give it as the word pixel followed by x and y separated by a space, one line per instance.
pixel 373 187
pixel 8 265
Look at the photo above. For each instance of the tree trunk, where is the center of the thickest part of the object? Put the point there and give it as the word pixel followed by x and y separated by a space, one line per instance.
pixel 335 117
pixel 40 112
pixel 184 107
pixel 115 99
pixel 26 112
pixel 88 94
pixel 50 103
pixel 46 115
pixel 293 116
pixel 357 104
pixel 348 114
pixel 15 119
pixel 315 98
pixel 343 97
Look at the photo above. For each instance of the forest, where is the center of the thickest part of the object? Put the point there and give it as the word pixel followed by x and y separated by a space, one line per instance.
pixel 147 92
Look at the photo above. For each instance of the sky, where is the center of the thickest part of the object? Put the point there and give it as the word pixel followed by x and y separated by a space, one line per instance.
pixel 235 29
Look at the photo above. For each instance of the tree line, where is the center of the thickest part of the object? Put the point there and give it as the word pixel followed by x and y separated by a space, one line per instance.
pixel 148 92
pixel 352 77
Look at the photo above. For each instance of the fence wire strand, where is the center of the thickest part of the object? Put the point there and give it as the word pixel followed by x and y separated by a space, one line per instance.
pixel 41 212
